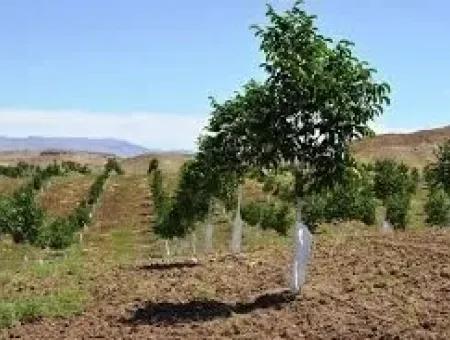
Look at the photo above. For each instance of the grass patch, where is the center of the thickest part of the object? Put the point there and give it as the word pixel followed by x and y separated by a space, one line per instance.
pixel 123 242
pixel 60 304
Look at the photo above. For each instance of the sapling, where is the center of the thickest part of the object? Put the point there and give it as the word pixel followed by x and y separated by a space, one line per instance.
pixel 438 172
pixel 437 207
pixel 316 99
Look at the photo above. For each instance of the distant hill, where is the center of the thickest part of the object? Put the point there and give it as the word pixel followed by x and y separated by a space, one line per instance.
pixel 415 148
pixel 107 146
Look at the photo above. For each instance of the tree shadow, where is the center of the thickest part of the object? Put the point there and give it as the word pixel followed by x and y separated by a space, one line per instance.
pixel 168 313
pixel 170 265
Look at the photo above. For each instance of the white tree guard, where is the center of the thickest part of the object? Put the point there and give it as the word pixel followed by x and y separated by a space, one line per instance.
pixel 209 231
pixel 236 237
pixel 386 227
pixel 167 246
pixel 194 243
pixel 303 245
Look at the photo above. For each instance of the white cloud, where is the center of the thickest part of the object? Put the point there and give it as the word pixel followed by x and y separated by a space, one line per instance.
pixel 154 130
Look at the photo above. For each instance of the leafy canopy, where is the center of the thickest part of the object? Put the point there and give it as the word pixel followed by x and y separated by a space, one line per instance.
pixel 316 98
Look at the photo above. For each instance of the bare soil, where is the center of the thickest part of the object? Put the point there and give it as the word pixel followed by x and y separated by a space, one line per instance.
pixel 361 285
pixel 64 194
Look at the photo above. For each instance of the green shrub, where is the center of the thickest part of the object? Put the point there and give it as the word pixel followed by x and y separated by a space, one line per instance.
pixel 56 235
pixel 113 165
pixel 159 197
pixel 70 166
pixel 80 216
pixel 277 216
pixel 22 169
pixel 437 207
pixel 314 210
pixel 252 213
pixel 96 188
pixel 438 174
pixel 352 199
pixel 153 165
pixel 6 209
pixel 392 177
pixel 25 217
pixel 397 208
pixel 269 183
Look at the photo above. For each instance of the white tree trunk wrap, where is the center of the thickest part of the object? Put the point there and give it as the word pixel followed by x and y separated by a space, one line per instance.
pixel 302 253
pixel 209 230
pixel 166 243
pixel 194 243
pixel 386 227
pixel 236 237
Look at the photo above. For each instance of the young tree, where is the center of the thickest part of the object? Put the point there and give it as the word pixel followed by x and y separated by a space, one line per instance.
pixel 437 174
pixel 153 165
pixel 394 184
pixel 317 98
pixel 437 207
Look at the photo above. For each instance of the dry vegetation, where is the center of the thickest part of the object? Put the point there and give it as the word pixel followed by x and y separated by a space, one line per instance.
pixel 9 185
pixel 415 149
pixel 64 193
pixel 95 160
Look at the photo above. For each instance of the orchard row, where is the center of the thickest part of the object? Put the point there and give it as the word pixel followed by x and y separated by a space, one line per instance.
pixel 23 218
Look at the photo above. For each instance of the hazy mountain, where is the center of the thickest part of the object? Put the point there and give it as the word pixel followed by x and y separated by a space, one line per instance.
pixel 109 146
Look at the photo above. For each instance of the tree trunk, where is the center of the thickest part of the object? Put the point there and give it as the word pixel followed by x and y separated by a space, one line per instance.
pixel 302 251
pixel 236 238
pixel 209 230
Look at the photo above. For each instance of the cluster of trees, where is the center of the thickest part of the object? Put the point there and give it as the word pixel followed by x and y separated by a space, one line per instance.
pixel 22 169
pixel 24 219
pixel 20 215
pixel 113 165
pixel 272 215
pixel 72 166
pixel 160 198
pixel 316 98
pixel 59 232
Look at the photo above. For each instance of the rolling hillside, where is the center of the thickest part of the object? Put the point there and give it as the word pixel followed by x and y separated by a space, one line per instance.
pixel 415 148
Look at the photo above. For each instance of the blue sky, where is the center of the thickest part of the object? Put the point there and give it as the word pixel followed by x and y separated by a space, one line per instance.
pixel 143 70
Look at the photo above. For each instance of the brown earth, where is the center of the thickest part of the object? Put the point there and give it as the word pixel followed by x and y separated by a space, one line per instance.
pixel 361 285
pixel 64 193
